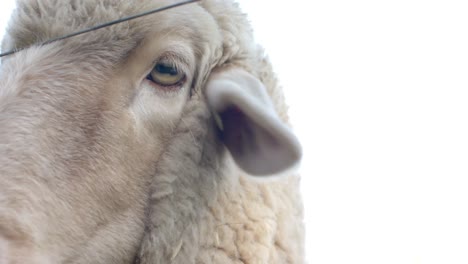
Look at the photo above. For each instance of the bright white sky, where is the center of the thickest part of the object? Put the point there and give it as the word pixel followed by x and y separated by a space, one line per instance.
pixel 379 98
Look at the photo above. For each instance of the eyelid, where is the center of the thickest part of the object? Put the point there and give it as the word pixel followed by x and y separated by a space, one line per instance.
pixel 177 61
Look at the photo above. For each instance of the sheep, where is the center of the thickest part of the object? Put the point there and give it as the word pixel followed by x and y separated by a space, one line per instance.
pixel 150 141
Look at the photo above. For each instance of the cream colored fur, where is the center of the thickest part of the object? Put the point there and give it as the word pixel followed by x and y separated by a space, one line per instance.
pixel 98 166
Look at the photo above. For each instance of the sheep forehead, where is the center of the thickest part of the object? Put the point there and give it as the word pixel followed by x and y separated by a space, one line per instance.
pixel 37 21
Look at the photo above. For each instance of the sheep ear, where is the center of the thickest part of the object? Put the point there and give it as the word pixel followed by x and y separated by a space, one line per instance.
pixel 260 143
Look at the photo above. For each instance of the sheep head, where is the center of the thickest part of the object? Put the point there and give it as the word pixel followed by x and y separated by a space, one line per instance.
pixel 99 129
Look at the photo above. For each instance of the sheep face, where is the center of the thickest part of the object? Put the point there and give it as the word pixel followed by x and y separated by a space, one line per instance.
pixel 87 122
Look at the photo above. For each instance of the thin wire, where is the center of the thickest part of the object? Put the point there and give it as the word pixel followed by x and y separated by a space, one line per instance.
pixel 104 25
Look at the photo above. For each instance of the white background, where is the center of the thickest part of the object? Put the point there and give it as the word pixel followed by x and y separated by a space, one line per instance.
pixel 379 98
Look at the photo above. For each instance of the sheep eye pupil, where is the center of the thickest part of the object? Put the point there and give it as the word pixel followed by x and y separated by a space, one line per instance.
pixel 166 74
pixel 166 69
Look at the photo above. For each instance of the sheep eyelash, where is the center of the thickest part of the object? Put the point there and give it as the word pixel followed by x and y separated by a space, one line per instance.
pixel 124 19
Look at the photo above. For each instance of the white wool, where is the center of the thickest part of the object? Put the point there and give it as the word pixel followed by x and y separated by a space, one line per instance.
pixel 99 165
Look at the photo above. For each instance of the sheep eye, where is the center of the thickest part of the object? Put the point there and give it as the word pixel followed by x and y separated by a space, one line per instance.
pixel 166 74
